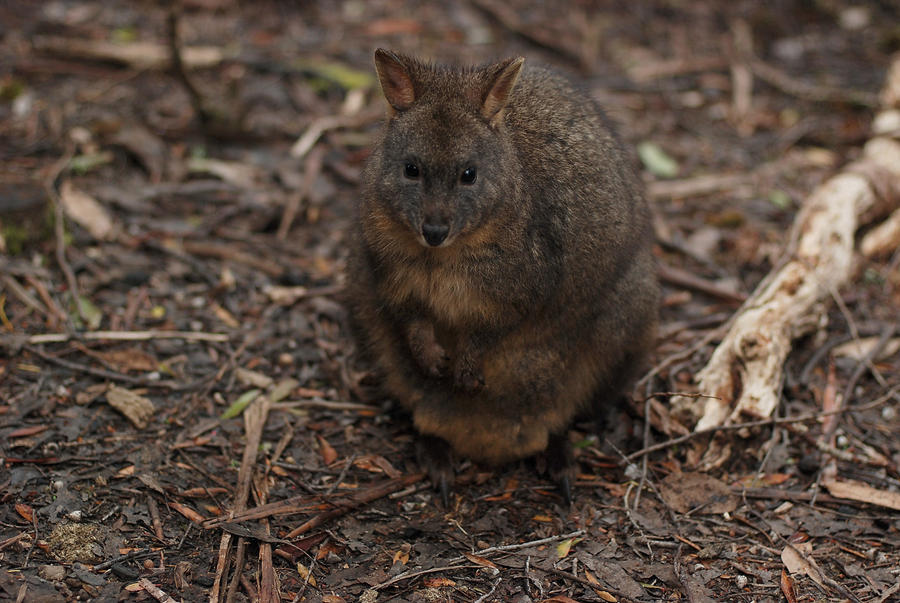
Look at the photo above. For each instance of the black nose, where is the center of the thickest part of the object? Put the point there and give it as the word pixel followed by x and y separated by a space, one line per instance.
pixel 434 233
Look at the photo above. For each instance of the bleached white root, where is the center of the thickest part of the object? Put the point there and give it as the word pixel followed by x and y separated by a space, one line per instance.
pixel 744 374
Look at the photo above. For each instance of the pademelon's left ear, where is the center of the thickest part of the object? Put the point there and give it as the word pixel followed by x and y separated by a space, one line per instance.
pixel 396 81
pixel 500 85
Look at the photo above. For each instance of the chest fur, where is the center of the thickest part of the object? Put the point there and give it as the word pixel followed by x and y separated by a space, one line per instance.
pixel 447 290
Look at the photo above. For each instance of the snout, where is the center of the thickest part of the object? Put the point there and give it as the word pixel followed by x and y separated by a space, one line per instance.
pixel 435 233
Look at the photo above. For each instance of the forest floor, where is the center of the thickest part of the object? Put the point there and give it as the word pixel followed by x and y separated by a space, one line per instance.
pixel 181 405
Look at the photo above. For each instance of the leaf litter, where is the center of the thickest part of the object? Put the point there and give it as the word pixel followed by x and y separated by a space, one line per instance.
pixel 237 447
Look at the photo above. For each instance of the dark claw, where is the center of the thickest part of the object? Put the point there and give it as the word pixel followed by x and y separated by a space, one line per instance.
pixel 565 488
pixel 436 458
pixel 560 463
pixel 444 488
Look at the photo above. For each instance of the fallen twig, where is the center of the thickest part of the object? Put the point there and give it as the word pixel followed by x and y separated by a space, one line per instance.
pixel 360 499
pixel 177 62
pixel 507 548
pixel 102 373
pixel 456 562
pixel 327 404
pixel 228 252
pixel 318 127
pixel 310 172
pixel 795 87
pixel 334 507
pixel 815 416
pixel 409 574
pixel 588 583
pixel 688 280
pixel 124 336
pixel 137 55
pixel 59 227
pixel 24 296
pixel 56 316
pixel 254 420
pixel 156 592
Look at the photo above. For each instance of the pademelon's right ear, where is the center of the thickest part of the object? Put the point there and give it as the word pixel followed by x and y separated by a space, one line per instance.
pixel 396 82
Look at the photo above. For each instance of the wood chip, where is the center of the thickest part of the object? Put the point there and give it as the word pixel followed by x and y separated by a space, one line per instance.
pixel 136 408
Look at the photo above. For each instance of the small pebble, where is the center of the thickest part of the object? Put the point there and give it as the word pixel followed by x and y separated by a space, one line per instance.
pixel 855 18
pixel 53 573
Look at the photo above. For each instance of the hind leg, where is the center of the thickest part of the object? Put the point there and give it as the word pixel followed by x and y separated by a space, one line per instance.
pixel 558 462
pixel 436 458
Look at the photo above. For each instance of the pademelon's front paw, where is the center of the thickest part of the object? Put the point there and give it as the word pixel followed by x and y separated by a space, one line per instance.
pixel 467 375
pixel 433 360
pixel 430 356
pixel 436 458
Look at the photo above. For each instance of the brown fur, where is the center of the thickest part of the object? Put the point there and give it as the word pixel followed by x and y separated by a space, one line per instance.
pixel 540 302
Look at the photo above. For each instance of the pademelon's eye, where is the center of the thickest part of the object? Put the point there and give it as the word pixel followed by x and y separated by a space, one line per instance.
pixel 468 176
pixel 411 171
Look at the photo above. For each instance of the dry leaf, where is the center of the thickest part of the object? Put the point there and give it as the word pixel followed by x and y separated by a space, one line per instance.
pixel 365 463
pixel 390 27
pixel 798 559
pixel 86 211
pixel 377 464
pixel 26 512
pixel 787 587
pixel 241 175
pixel 305 574
pixel 136 408
pixel 481 561
pixel 151 482
pixel 254 378
pixel 855 490
pixel 401 557
pixel 329 454
pixel 285 296
pixel 328 548
pixel 129 359
pixel 183 574
pixel 564 547
pixel 508 489
pixel 769 479
pixel 27 431
pixel 438 582
pixel 686 492
pixel 600 593
pixel 225 316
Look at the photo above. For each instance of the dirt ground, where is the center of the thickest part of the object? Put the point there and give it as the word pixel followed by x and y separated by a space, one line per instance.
pixel 182 412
